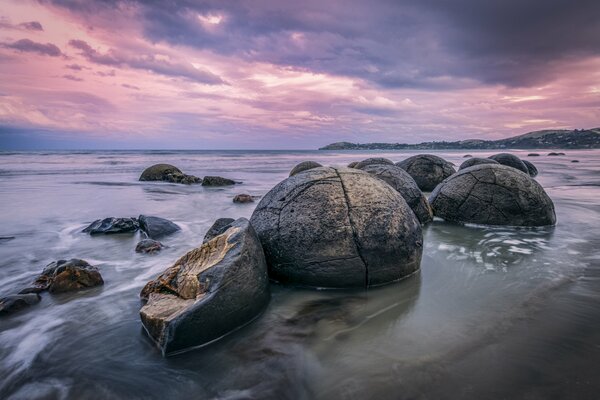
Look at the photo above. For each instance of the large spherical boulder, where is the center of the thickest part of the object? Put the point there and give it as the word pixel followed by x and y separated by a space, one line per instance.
pixel 510 160
pixel 476 161
pixel 159 172
pixel 533 171
pixel 373 161
pixel 493 194
pixel 304 166
pixel 337 227
pixel 404 184
pixel 427 170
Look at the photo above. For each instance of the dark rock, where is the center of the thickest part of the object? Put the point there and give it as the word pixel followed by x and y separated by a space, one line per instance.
pixel 148 246
pixel 352 164
pixel 337 227
pixel 190 180
pixel 209 292
pixel 304 166
pixel 561 154
pixel 493 195
pixel 533 155
pixel 217 228
pixel 168 173
pixel 6 238
pixel 243 198
pixel 510 160
pixel 16 302
pixel 467 156
pixel 217 181
pixel 404 184
pixel 556 154
pixel 476 161
pixel 156 227
pixel 373 161
pixel 65 276
pixel 531 169
pixel 427 170
pixel 112 225
pixel 575 161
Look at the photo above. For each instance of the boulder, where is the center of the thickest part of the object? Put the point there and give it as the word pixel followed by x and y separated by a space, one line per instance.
pixel 556 154
pixel 217 181
pixel 493 194
pixel 337 227
pixel 427 170
pixel 17 302
pixel 148 246
pixel 209 292
pixel 352 164
pixel 168 173
pixel 156 227
pixel 372 161
pixel 243 198
pixel 112 225
pixel 476 161
pixel 531 169
pixel 510 160
pixel 304 166
pixel 217 228
pixel 533 155
pixel 404 184
pixel 66 276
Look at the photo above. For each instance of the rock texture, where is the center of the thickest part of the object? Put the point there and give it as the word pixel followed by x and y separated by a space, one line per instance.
pixel 209 292
pixel 112 225
pixel 337 227
pixel 476 161
pixel 156 227
pixel 66 276
pixel 17 302
pixel 373 161
pixel 510 160
pixel 217 228
pixel 427 170
pixel 493 195
pixel 404 184
pixel 217 181
pixel 168 173
pixel 531 169
pixel 148 246
pixel 304 166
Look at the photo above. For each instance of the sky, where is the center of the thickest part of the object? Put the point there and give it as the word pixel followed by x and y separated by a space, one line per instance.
pixel 276 74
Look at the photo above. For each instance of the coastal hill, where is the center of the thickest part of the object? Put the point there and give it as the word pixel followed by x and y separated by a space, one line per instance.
pixel 545 139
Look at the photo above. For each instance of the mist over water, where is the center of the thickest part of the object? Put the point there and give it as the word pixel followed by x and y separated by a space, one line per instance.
pixel 494 312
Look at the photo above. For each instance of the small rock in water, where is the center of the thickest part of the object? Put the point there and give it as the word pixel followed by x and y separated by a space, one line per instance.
pixel 112 225
pixel 65 276
pixel 168 173
pixel 467 156
pixel 6 238
pixel 16 302
pixel 556 154
pixel 148 246
pixel 243 198
pixel 217 228
pixel 217 181
pixel 574 160
pixel 156 227
pixel 533 155
pixel 304 166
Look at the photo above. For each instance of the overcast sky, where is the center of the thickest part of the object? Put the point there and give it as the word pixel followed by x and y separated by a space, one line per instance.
pixel 275 74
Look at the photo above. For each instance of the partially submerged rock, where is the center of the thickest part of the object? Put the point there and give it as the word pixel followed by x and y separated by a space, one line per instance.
pixel 148 246
pixel 112 225
pixel 467 156
pixel 168 173
pixel 156 227
pixel 404 184
pixel 209 292
pixel 493 195
pixel 427 170
pixel 17 302
pixel 575 161
pixel 243 198
pixel 510 160
pixel 65 276
pixel 217 181
pixel 556 154
pixel 476 161
pixel 337 227
pixel 531 169
pixel 373 161
pixel 217 228
pixel 533 155
pixel 304 166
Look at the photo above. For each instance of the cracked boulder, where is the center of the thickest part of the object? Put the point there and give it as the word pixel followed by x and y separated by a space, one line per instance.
pixel 493 194
pixel 510 160
pixel 373 161
pixel 304 166
pixel 209 292
pixel 337 227
pixel 404 184
pixel 427 170
pixel 168 173
pixel 476 161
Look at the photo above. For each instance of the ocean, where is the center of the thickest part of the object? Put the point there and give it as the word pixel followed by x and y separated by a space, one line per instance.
pixel 494 313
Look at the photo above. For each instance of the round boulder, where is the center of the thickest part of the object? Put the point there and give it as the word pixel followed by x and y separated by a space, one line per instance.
pixel 427 170
pixel 493 194
pixel 337 227
pixel 404 184
pixel 159 172
pixel 304 166
pixel 476 161
pixel 531 169
pixel 352 164
pixel 373 161
pixel 510 160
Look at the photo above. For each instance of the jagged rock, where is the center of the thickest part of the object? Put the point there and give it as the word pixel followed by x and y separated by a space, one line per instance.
pixel 156 227
pixel 352 164
pixel 337 227
pixel 493 195
pixel 533 155
pixel 148 246
pixel 304 166
pixel 427 170
pixel 373 161
pixel 112 225
pixel 209 292
pixel 476 161
pixel 168 173
pixel 217 181
pixel 404 184
pixel 243 198
pixel 531 169
pixel 217 228
pixel 17 302
pixel 510 160
pixel 65 276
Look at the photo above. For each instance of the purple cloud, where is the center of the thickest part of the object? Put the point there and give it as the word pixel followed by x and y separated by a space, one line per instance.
pixel 28 26
pixel 29 46
pixel 72 78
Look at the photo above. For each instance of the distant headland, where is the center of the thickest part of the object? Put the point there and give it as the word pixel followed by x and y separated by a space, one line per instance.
pixel 545 139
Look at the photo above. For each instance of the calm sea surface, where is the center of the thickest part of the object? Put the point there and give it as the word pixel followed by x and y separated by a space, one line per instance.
pixel 495 313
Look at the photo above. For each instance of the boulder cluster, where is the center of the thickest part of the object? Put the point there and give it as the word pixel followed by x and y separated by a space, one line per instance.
pixel 172 174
